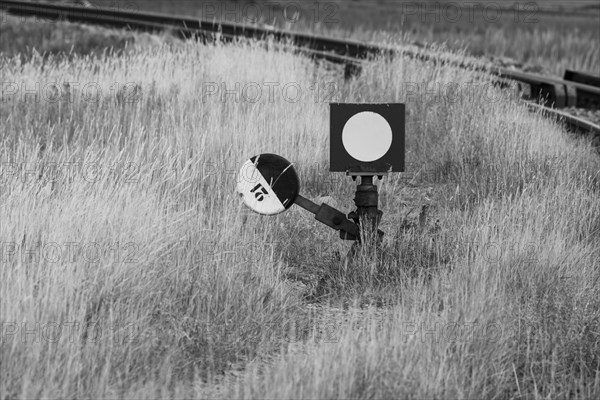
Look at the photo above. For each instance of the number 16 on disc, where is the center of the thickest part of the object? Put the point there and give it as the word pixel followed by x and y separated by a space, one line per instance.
pixel 268 184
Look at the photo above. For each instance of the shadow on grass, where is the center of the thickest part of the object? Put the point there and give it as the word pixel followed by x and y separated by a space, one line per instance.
pixel 365 275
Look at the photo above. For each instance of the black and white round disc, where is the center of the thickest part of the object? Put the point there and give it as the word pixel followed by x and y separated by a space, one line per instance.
pixel 268 184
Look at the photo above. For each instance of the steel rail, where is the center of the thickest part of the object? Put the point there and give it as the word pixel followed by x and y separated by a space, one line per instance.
pixel 582 77
pixel 552 91
pixel 572 122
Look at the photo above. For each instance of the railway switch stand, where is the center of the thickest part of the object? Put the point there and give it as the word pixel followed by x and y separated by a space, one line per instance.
pixel 366 141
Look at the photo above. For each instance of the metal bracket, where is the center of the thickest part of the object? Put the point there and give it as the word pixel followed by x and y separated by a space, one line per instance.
pixel 380 175
pixel 366 202
pixel 330 217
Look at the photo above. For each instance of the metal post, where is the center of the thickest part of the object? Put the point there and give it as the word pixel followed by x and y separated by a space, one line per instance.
pixel 367 214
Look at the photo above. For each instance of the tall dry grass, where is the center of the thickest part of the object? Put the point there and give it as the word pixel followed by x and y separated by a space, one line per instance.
pixel 190 287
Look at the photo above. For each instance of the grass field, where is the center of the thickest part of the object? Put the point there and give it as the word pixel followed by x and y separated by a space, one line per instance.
pixel 131 270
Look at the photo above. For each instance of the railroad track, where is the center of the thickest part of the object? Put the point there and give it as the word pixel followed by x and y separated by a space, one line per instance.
pixel 576 90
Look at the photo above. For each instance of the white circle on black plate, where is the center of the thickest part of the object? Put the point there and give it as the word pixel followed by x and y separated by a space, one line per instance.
pixel 367 136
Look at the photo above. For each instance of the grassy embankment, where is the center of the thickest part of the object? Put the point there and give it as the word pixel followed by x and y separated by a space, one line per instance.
pixel 188 284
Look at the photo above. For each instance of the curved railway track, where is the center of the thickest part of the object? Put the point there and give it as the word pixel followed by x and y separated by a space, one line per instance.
pixel 555 93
